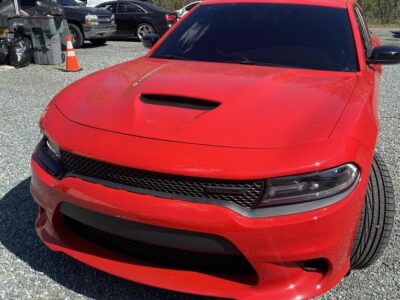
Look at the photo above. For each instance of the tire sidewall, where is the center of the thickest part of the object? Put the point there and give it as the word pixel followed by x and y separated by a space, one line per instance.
pixel 377 217
pixel 75 31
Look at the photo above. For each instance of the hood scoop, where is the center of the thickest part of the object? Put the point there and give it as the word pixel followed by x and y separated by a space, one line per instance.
pixel 178 101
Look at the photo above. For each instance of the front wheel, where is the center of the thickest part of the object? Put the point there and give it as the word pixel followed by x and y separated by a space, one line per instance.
pixel 76 35
pixel 99 42
pixel 144 29
pixel 377 217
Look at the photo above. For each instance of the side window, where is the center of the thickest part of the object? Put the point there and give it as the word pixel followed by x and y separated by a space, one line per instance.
pixel 109 6
pixel 364 31
pixel 141 9
pixel 125 7
pixel 27 3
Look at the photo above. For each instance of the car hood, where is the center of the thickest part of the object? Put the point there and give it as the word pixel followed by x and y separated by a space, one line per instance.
pixel 259 107
pixel 87 10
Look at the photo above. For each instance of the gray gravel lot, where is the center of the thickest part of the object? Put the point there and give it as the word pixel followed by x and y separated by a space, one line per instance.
pixel 28 270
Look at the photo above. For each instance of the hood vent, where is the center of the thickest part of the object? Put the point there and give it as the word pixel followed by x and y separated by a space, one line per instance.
pixel 177 101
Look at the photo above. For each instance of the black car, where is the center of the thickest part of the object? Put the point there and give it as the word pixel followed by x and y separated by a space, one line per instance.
pixel 137 18
pixel 85 23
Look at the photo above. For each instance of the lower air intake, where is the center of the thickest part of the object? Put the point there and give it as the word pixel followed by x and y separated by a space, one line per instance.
pixel 163 256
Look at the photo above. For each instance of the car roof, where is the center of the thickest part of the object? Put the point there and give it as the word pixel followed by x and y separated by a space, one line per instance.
pixel 332 3
pixel 134 1
pixel 144 4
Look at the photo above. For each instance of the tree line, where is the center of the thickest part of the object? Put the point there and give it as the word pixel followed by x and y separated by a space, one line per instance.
pixel 381 11
pixel 376 11
pixel 171 4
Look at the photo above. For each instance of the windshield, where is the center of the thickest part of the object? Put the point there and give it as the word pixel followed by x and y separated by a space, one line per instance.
pixel 70 2
pixel 299 36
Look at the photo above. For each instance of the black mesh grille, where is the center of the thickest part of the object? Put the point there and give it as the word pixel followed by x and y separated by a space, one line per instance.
pixel 162 256
pixel 243 193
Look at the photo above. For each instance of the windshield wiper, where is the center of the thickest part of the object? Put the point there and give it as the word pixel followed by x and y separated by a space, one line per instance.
pixel 246 61
pixel 256 63
pixel 169 56
pixel 243 61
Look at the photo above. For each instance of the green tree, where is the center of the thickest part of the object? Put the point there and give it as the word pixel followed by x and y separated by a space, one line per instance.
pixel 381 11
pixel 171 4
pixel 376 11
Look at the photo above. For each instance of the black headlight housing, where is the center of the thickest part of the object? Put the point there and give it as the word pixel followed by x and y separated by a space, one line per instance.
pixel 335 182
pixel 47 155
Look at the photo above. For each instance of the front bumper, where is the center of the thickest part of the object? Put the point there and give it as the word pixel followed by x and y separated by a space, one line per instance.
pixel 274 246
pixel 162 28
pixel 99 31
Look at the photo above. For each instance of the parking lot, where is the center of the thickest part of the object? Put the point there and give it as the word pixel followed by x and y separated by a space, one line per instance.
pixel 28 270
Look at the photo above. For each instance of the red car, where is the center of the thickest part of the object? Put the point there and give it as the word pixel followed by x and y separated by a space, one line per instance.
pixel 235 159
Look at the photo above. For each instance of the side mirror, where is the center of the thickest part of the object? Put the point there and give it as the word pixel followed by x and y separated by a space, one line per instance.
pixel 149 40
pixel 385 55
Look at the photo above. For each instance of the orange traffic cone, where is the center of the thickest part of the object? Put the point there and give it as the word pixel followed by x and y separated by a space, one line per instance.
pixel 71 62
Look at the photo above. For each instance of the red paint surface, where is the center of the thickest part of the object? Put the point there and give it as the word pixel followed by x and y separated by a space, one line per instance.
pixel 271 122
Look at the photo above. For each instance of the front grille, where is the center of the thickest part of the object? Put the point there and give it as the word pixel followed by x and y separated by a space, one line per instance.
pixel 104 19
pixel 243 193
pixel 162 256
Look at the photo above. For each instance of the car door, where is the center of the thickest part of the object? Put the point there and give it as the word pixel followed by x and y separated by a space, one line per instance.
pixel 128 16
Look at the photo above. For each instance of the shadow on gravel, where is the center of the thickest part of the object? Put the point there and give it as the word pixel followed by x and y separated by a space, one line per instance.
pixel 396 34
pixel 90 46
pixel 17 234
pixel 126 39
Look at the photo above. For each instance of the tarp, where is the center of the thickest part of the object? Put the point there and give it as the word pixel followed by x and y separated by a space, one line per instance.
pixel 7 8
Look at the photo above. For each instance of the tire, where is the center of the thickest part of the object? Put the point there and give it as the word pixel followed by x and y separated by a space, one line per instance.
pixel 77 35
pixel 377 217
pixel 99 42
pixel 144 28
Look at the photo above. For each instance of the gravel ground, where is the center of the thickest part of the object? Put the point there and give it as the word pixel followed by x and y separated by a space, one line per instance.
pixel 28 270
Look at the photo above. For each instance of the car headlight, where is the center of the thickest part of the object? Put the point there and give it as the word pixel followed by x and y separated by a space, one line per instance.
pixel 91 20
pixel 310 187
pixel 47 155
pixel 112 19
pixel 54 149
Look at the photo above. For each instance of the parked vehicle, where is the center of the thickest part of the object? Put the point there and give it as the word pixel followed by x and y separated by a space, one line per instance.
pixel 224 167
pixel 184 10
pixel 85 23
pixel 93 3
pixel 137 18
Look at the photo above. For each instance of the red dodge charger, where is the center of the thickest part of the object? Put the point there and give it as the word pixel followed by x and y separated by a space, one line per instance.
pixel 235 159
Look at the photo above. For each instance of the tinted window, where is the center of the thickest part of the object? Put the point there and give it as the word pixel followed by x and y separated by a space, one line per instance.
pixel 364 31
pixel 70 3
pixel 109 6
pixel 28 2
pixel 140 9
pixel 128 8
pixel 300 36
